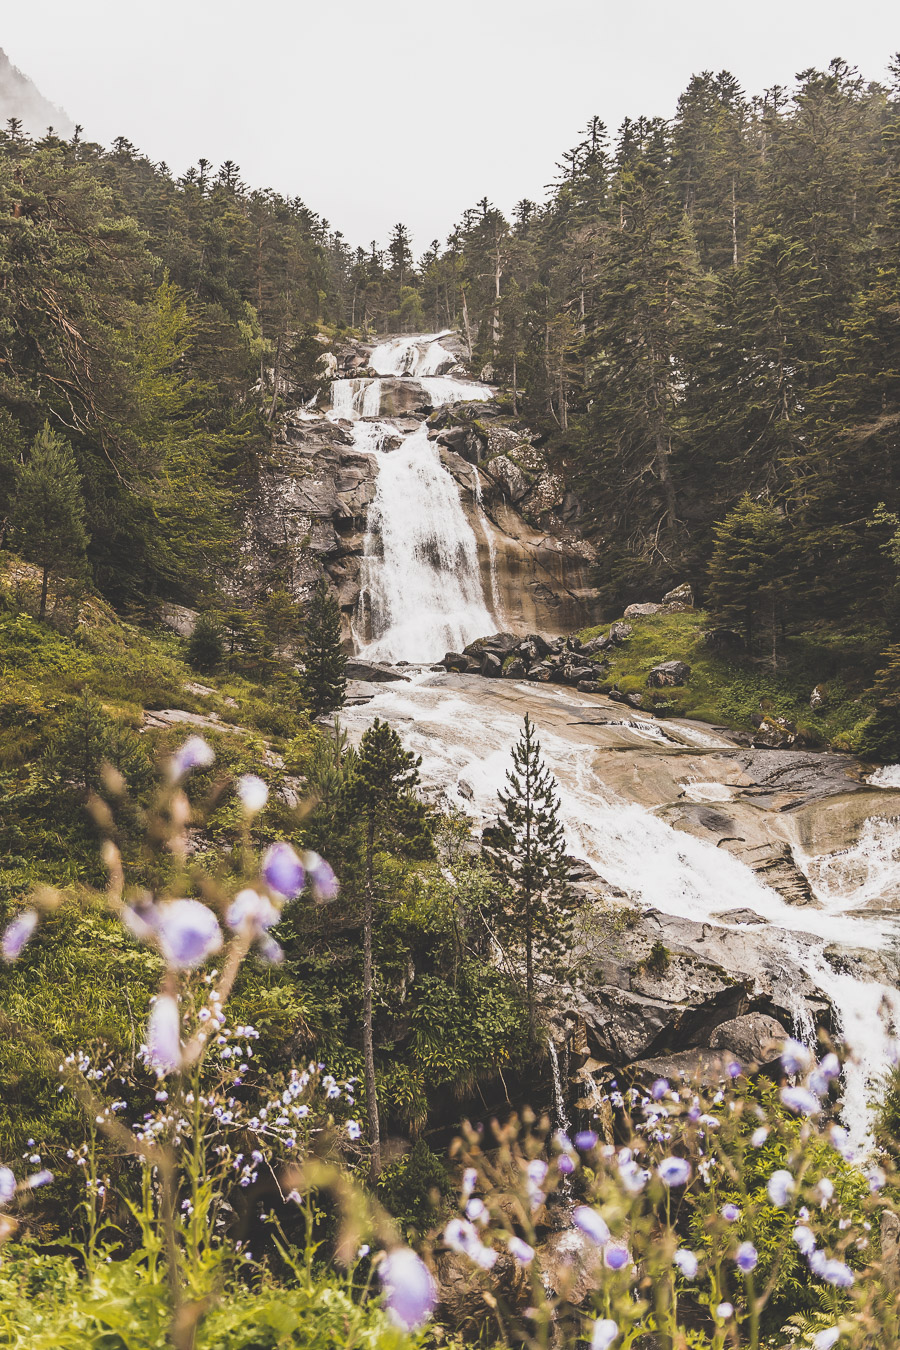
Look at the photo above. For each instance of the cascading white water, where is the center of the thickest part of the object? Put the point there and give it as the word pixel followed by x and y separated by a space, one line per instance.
pixel 419 355
pixel 355 398
pixel 496 599
pixel 421 590
pixel 465 750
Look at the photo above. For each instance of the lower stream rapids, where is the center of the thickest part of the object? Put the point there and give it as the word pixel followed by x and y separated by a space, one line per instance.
pixel 618 772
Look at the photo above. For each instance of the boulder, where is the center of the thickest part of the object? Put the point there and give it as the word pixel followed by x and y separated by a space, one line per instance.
pixel 501 644
pixel 463 442
pixel 540 644
pixel 597 644
pixel 455 661
pixel 620 632
pixel 364 670
pixel 491 665
pixel 774 733
pixel 755 1038
pixel 643 611
pixel 533 648
pixel 573 673
pixel 540 672
pixel 589 687
pixel 668 673
pixel 681 595
pixel 514 669
pixel 508 477
pixel 634 700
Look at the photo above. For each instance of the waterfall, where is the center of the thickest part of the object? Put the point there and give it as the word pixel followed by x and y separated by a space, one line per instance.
pixel 562 1118
pixel 355 398
pixel 421 592
pixel 464 736
pixel 419 355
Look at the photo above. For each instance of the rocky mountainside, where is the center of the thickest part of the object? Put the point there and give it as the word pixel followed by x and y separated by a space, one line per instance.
pixel 20 98
pixel 310 513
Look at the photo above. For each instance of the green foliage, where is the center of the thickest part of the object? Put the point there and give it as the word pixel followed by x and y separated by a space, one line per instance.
pixel 325 664
pixel 749 572
pixel 48 513
pixel 205 649
pixel 533 901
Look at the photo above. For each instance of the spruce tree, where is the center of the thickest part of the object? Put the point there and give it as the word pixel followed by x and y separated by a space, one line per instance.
pixel 527 849
pixel 325 673
pixel 750 569
pixel 48 515
pixel 381 794
pixel 880 737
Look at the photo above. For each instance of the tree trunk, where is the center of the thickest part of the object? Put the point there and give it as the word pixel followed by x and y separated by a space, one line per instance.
pixel 529 967
pixel 276 376
pixel 466 322
pixel 665 478
pixel 515 405
pixel 44 580
pixel 734 243
pixel 368 1044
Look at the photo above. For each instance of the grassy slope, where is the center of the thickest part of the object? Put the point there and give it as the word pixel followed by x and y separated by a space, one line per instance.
pixel 729 691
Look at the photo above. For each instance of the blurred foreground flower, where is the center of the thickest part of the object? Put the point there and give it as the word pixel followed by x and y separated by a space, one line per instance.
pixel 188 933
pixel 194 754
pixel 164 1035
pixel 283 870
pixel 409 1290
pixel 17 933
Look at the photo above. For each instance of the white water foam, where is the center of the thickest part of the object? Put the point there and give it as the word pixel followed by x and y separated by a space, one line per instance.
pixel 421 354
pixel 465 750
pixel 421 589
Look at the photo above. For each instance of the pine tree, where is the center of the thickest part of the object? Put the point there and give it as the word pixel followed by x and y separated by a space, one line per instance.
pixel 325 674
pixel 749 573
pixel 527 849
pixel 48 516
pixel 880 738
pixel 380 791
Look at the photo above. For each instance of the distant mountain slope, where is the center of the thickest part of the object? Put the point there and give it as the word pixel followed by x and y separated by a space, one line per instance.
pixel 20 98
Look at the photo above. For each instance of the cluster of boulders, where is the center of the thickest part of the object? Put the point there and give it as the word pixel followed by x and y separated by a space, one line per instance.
pixel 563 660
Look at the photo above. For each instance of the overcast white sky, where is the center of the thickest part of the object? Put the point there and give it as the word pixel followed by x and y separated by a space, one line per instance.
pixel 375 111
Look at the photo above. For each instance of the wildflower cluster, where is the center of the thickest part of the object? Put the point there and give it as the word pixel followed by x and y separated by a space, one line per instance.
pixel 727 1198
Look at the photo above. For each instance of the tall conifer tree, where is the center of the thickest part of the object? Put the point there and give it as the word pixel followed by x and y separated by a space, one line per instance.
pixel 527 849
pixel 325 674
pixel 48 516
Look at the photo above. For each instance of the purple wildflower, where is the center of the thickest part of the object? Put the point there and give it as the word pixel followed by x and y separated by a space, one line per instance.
pixel 730 1212
pixel 17 933
pixel 323 883
pixel 7 1185
pixel 616 1256
pixel 805 1239
pixel 164 1035
pixel 604 1333
pixel 724 1311
pixel 746 1257
pixel 409 1290
pixel 686 1262
pixel 825 1340
pixel 633 1176
pixel 592 1224
pixel 283 870
pixel 252 911
pixel 188 933
pixel 795 1058
pixel 194 754
pixel 734 1069
pixel 759 1136
pixel 586 1140
pixel 38 1179
pixel 674 1171
pixel 781 1186
pixel 353 1129
pixel 253 793
pixel 801 1101
pixel 836 1273
pixel 659 1089
pixel 565 1164
pixel 520 1251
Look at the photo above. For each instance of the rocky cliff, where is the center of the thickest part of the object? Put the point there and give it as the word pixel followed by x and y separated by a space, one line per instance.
pixel 310 512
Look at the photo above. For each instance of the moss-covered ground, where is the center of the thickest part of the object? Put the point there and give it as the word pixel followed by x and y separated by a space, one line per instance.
pixel 729 690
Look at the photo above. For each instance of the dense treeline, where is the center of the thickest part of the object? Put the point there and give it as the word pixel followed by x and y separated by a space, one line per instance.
pixel 704 308
pixel 153 322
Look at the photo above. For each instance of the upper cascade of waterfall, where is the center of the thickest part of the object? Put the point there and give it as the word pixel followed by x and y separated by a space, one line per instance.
pixel 421 354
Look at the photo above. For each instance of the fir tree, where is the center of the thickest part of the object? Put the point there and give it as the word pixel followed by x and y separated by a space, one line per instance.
pixel 527 848
pixel 381 792
pixel 880 737
pixel 749 573
pixel 48 516
pixel 325 674
pixel 205 650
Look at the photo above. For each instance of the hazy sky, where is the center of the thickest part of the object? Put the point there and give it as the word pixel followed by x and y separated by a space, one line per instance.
pixel 375 111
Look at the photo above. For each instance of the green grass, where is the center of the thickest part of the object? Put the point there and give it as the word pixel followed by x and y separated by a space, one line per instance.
pixel 729 690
